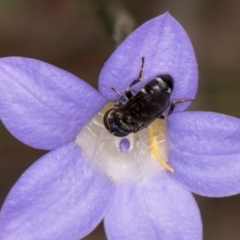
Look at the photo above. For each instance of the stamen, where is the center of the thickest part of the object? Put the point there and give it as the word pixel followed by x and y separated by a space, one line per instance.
pixel 154 151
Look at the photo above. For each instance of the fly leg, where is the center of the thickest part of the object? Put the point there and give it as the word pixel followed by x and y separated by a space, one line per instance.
pixel 127 91
pixel 172 106
pixel 118 103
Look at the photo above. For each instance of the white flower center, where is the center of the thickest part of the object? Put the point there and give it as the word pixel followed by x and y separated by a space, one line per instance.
pixel 130 158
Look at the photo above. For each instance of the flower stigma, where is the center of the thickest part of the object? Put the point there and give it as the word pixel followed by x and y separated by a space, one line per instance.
pixel 124 145
pixel 129 158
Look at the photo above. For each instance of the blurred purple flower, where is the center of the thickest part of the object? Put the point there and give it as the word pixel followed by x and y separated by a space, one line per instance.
pixel 90 174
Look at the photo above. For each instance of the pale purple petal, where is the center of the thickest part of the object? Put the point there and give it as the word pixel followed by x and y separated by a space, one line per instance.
pixel 42 105
pixel 60 197
pixel 166 48
pixel 204 150
pixel 153 209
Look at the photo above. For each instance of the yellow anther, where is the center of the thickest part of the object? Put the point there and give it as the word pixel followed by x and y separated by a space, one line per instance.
pixel 159 127
pixel 154 146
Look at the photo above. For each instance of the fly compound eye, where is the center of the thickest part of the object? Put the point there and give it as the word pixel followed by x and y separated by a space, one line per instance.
pixel 108 119
pixel 111 120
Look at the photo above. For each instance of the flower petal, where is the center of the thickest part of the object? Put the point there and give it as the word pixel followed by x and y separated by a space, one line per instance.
pixel 166 49
pixel 60 197
pixel 155 208
pixel 204 152
pixel 42 105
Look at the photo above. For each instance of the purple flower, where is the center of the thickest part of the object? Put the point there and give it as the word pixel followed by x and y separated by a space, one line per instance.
pixel 90 174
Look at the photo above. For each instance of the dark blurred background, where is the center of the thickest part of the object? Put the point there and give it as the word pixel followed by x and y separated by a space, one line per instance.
pixel 77 35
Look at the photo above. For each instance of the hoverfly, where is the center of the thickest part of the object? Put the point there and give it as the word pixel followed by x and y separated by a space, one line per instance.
pixel 143 108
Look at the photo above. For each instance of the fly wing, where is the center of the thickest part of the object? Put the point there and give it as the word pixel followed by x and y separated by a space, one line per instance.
pixel 146 107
